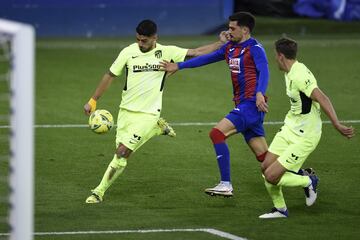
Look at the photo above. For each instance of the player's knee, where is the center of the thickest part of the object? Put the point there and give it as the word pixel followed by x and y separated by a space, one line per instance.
pixel 123 152
pixel 217 136
pixel 261 157
pixel 263 167
pixel 271 178
pixel 266 162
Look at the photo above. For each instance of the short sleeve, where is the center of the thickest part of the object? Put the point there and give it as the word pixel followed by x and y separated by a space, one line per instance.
pixel 119 63
pixel 306 82
pixel 177 54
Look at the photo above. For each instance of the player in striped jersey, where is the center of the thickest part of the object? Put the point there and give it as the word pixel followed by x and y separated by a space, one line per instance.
pixel 249 73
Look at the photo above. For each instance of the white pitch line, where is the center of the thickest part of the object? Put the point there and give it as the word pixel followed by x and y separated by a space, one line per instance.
pixel 206 230
pixel 173 124
pixel 222 234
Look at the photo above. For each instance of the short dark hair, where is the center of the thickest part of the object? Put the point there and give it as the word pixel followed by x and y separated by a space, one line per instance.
pixel 244 19
pixel 147 28
pixel 286 46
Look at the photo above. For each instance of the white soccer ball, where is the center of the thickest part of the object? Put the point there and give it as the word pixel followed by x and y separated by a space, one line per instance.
pixel 101 121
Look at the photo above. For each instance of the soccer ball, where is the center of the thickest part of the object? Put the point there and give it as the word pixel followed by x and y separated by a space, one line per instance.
pixel 101 121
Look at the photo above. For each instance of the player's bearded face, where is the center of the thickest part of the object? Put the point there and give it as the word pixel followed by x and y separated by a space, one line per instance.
pixel 146 43
pixel 236 32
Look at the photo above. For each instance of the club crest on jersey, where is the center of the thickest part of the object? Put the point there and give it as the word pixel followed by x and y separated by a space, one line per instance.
pixel 158 54
pixel 234 65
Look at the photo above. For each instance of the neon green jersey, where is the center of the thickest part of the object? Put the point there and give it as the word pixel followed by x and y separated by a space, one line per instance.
pixel 144 82
pixel 304 115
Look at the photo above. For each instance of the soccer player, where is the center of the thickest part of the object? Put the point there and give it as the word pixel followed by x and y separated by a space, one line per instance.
pixel 301 132
pixel 249 74
pixel 139 114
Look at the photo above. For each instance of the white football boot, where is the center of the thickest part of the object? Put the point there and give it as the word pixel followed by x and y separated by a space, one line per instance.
pixel 221 189
pixel 275 213
pixel 311 191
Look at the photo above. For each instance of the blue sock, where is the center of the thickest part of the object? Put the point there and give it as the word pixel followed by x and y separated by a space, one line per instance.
pixel 223 158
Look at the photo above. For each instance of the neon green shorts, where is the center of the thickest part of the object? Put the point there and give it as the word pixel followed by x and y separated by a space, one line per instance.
pixel 293 149
pixel 135 128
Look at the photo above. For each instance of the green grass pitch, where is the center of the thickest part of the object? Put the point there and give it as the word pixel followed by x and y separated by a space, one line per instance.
pixel 162 186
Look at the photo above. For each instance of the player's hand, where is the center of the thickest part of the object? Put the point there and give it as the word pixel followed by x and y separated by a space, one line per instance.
pixel 224 36
pixel 87 109
pixel 261 103
pixel 168 66
pixel 90 106
pixel 346 131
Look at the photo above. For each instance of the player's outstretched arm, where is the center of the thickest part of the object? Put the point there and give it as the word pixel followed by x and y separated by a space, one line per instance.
pixel 329 110
pixel 105 82
pixel 223 38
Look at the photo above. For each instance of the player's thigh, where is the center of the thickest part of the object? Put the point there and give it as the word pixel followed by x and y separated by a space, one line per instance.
pixel 258 145
pixel 274 172
pixel 226 127
pixel 255 135
pixel 236 120
pixel 298 151
pixel 122 119
pixel 280 142
pixel 134 128
pixel 270 158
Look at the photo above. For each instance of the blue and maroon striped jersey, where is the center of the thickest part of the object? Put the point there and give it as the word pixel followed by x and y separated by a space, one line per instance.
pixel 247 64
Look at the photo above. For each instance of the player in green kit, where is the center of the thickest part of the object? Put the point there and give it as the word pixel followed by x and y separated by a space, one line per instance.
pixel 139 115
pixel 300 134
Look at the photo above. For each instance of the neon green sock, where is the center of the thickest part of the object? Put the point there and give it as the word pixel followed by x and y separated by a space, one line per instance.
pixel 115 168
pixel 276 195
pixel 294 180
